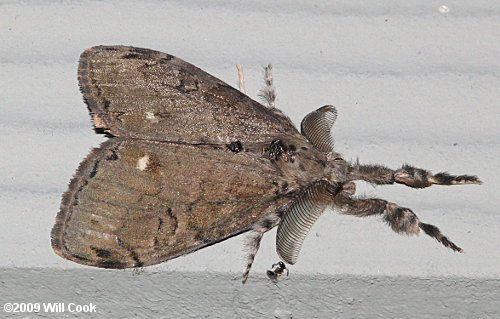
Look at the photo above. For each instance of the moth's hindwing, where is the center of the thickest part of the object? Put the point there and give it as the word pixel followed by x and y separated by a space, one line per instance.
pixel 135 202
pixel 147 94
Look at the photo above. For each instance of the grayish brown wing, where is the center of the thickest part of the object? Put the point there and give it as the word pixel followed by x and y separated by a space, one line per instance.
pixel 317 127
pixel 135 203
pixel 299 219
pixel 147 94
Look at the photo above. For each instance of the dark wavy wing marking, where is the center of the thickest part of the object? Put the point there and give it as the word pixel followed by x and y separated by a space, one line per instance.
pixel 147 94
pixel 135 203
pixel 299 219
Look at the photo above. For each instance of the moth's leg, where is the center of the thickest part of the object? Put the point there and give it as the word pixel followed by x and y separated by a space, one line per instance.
pixel 348 189
pixel 375 174
pixel 419 178
pixel 408 175
pixel 268 93
pixel 252 244
pixel 402 220
pixel 241 78
pixel 253 241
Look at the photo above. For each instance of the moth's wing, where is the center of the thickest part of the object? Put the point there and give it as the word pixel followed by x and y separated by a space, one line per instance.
pixel 299 219
pixel 147 94
pixel 134 203
pixel 317 127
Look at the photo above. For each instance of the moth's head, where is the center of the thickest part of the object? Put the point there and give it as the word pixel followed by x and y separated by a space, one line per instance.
pixel 336 171
pixel 336 168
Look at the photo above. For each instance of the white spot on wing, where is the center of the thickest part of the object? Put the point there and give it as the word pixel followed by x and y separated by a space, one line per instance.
pixel 98 121
pixel 97 234
pixel 444 9
pixel 151 117
pixel 142 163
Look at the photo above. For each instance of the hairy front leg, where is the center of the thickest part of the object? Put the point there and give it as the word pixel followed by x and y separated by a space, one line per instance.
pixel 408 175
pixel 253 241
pixel 402 220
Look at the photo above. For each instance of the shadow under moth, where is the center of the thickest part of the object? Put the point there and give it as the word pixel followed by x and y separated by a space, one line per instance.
pixel 191 161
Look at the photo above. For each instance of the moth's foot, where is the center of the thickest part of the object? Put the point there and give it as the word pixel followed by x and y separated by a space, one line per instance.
pixel 447 179
pixel 420 178
pixel 433 231
pixel 413 177
pixel 244 278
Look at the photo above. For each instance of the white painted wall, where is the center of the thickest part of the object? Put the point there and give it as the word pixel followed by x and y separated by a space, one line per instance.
pixel 412 84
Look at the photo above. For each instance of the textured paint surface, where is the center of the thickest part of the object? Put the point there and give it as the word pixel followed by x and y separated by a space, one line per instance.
pixel 435 75
pixel 215 295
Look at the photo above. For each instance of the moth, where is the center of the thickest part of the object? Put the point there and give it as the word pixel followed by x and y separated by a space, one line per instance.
pixel 276 271
pixel 191 161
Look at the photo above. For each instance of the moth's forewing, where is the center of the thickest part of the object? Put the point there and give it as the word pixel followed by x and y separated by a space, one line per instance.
pixel 136 202
pixel 147 94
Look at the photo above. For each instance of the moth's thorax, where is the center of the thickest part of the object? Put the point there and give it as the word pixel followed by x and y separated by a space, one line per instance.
pixel 296 159
pixel 336 171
